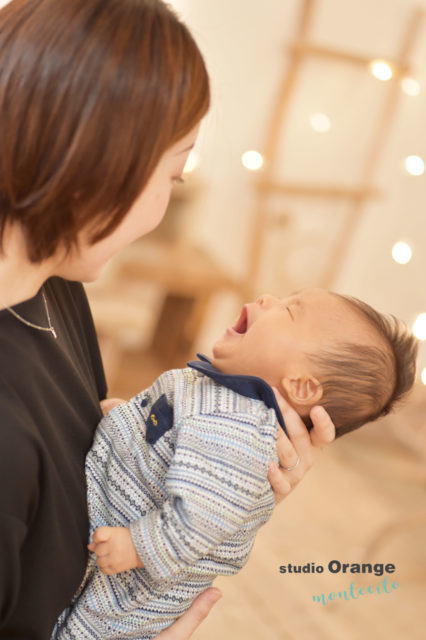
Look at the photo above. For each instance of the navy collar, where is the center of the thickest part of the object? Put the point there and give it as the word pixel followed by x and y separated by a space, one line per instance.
pixel 249 386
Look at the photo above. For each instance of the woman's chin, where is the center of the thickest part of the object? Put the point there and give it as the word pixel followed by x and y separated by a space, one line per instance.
pixel 80 273
pixel 92 277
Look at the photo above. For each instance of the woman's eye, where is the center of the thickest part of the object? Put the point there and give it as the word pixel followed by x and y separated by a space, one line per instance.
pixel 178 180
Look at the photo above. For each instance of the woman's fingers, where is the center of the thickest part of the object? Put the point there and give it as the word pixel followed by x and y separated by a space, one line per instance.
pixel 296 452
pixel 324 430
pixel 287 454
pixel 298 443
pixel 279 481
pixel 185 626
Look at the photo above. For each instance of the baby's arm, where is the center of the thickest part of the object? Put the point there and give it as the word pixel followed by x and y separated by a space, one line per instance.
pixel 216 484
pixel 114 549
pixel 113 546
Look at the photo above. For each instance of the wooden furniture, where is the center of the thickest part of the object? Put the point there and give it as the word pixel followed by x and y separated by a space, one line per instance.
pixel 188 279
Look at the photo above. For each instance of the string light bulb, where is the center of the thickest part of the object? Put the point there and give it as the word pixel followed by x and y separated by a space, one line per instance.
pixel 252 160
pixel 410 86
pixel 381 70
pixel 320 122
pixel 414 165
pixel 419 327
pixel 402 253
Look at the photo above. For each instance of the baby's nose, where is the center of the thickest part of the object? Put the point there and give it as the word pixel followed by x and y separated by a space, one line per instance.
pixel 266 300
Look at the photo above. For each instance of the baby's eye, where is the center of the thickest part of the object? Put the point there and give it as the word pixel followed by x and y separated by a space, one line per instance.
pixel 286 307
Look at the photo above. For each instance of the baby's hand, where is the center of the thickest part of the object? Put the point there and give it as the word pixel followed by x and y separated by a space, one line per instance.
pixel 110 403
pixel 114 549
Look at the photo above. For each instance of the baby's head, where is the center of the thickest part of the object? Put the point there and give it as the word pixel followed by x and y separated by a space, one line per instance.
pixel 319 347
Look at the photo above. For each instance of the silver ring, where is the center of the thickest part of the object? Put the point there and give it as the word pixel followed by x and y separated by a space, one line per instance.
pixel 293 467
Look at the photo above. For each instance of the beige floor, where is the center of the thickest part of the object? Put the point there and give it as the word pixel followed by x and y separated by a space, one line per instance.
pixel 369 486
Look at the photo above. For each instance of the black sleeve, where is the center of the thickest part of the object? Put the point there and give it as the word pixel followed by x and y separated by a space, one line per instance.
pixel 19 493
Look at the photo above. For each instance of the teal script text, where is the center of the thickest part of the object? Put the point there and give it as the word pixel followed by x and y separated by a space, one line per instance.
pixel 353 593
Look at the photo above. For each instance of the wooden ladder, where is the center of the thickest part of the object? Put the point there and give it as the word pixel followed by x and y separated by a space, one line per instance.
pixel 266 183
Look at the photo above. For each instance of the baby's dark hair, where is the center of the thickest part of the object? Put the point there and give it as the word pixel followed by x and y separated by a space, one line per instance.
pixel 362 383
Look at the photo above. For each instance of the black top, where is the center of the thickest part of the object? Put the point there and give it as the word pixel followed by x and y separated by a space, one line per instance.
pixel 50 391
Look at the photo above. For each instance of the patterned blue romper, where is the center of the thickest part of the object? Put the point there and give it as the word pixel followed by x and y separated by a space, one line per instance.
pixel 184 464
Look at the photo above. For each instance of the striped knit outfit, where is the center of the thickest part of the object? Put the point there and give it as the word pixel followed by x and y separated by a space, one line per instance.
pixel 184 464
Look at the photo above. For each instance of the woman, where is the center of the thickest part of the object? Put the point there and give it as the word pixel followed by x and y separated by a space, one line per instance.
pixel 100 103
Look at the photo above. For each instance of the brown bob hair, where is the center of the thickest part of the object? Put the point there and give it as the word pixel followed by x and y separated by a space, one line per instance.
pixel 92 93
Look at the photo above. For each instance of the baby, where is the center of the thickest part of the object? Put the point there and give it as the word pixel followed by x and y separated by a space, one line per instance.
pixel 177 476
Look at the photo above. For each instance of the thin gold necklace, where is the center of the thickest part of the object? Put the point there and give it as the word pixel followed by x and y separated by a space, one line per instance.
pixel 50 328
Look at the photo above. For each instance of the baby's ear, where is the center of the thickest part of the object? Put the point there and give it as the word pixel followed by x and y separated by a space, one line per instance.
pixel 303 390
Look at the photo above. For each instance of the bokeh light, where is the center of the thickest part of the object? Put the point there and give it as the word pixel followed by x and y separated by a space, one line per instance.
pixel 381 70
pixel 419 327
pixel 414 165
pixel 252 160
pixel 410 86
pixel 401 252
pixel 320 122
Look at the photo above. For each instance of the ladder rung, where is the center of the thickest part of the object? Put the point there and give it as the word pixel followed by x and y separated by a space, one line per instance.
pixel 308 48
pixel 317 191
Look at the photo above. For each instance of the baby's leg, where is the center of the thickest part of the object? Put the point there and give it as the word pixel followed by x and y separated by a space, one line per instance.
pixel 126 607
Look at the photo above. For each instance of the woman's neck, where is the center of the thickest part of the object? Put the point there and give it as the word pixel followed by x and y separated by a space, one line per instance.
pixel 20 279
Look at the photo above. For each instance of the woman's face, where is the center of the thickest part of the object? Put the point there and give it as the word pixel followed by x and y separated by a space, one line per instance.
pixel 146 213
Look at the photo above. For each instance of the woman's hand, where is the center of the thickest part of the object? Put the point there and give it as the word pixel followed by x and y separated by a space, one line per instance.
pixel 298 451
pixel 185 626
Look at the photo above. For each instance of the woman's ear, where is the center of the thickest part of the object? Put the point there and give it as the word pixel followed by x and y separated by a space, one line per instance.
pixel 303 390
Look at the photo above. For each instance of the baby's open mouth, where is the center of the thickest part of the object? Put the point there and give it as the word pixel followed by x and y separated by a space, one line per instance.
pixel 241 325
